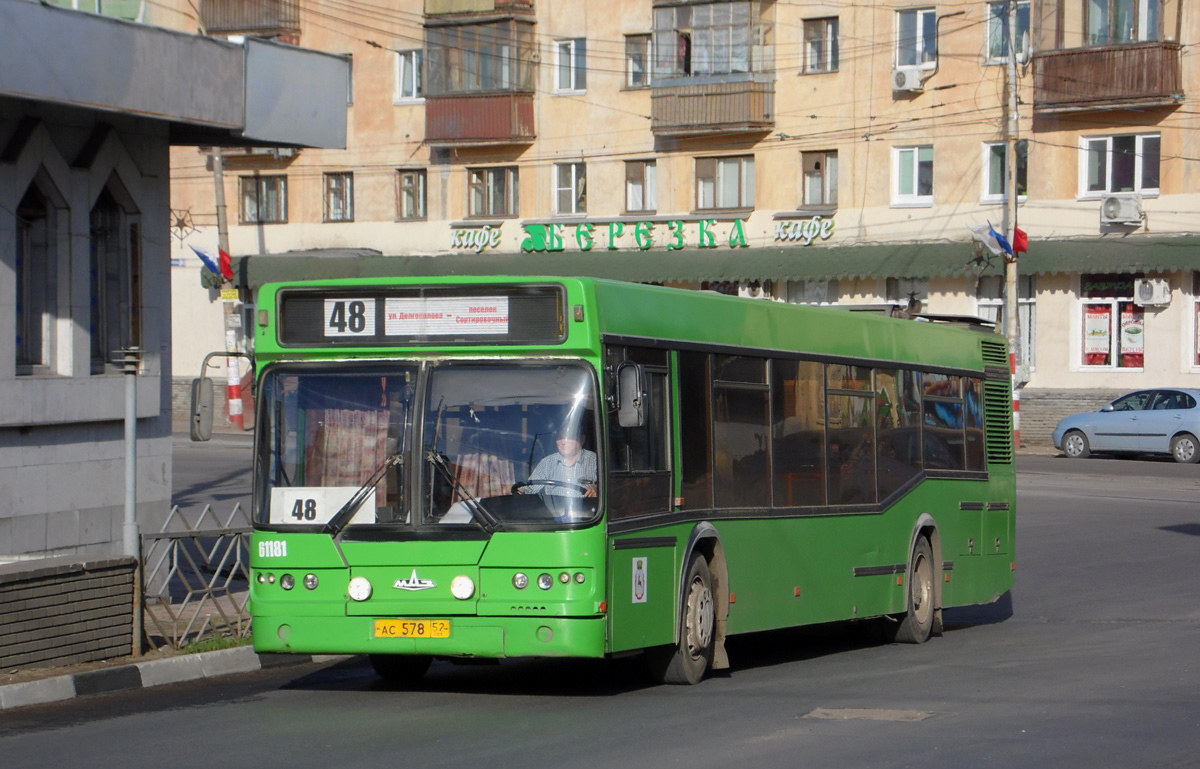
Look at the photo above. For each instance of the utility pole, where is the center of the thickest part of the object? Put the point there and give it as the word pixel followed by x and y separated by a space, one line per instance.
pixel 231 302
pixel 1011 304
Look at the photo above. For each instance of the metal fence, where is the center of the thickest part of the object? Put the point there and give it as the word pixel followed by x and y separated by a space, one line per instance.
pixel 196 578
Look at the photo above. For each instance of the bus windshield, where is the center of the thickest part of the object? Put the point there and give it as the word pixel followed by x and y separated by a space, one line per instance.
pixel 501 444
pixel 517 440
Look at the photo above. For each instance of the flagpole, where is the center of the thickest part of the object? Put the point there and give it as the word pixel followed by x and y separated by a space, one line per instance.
pixel 1011 304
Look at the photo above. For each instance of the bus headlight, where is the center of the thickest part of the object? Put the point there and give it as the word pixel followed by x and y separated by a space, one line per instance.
pixel 520 581
pixel 360 588
pixel 545 581
pixel 462 587
pixel 287 582
pixel 311 581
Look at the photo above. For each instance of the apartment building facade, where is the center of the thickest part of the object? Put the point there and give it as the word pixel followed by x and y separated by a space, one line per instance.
pixel 830 153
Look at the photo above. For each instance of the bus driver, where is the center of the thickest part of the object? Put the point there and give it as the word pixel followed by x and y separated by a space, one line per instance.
pixel 572 466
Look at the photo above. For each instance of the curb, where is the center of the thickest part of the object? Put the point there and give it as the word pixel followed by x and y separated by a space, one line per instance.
pixel 142 675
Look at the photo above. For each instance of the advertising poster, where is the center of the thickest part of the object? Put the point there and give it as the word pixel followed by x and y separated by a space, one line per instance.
pixel 1132 337
pixel 1097 325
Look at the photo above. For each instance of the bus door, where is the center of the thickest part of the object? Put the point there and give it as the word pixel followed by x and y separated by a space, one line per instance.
pixel 641 565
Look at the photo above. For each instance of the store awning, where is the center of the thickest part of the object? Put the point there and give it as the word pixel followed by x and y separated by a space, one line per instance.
pixel 906 260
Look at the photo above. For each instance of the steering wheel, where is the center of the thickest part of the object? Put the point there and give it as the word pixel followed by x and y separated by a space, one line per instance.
pixel 578 487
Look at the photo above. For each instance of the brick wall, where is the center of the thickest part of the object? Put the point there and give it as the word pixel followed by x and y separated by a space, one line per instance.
pixel 65 610
pixel 1042 409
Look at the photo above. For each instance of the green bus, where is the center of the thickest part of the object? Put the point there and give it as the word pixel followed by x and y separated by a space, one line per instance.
pixel 495 467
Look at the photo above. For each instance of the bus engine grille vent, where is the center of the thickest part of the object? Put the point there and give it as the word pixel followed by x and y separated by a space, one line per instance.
pixel 998 422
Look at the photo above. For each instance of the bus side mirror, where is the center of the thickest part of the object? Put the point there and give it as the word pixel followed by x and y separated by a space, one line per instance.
pixel 631 410
pixel 202 409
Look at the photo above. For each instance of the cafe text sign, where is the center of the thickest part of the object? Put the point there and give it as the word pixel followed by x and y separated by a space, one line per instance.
pixel 672 235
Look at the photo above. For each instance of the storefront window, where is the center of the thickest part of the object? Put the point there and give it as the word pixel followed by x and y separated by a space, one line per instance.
pixel 1196 317
pixel 1113 326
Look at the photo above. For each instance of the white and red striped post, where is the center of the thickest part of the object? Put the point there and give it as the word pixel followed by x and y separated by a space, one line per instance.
pixel 1012 359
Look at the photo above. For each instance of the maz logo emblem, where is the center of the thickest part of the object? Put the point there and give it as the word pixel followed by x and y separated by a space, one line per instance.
pixel 414 583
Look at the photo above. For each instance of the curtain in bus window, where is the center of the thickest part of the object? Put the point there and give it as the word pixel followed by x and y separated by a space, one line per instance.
pixel 973 396
pixel 898 429
pixel 943 412
pixel 851 456
pixel 798 432
pixel 483 475
pixel 345 447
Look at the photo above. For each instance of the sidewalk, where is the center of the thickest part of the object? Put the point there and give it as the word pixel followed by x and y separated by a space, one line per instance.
pixel 164 666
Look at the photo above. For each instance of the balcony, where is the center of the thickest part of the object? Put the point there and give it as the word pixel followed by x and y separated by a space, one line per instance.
pixel 479 119
pixel 1132 76
pixel 696 109
pixel 261 18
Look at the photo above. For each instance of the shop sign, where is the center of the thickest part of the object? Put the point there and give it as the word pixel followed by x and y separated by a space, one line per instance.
pixel 804 230
pixel 554 237
pixel 476 239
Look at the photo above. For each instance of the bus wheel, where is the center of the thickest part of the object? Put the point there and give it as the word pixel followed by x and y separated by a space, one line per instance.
pixel 400 669
pixel 686 662
pixel 916 624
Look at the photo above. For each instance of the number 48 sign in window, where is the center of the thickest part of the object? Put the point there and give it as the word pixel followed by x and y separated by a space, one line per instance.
pixel 349 317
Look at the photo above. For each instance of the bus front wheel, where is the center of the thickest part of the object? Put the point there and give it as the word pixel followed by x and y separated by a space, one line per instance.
pixel 916 623
pixel 687 661
pixel 400 669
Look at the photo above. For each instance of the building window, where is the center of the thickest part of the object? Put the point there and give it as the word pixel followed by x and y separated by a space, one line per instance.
pixel 339 197
pixel 349 78
pixel 1127 163
pixel 470 58
pixel 637 61
pixel 916 38
pixel 1114 332
pixel 1196 318
pixel 36 272
pixel 821 45
pixel 708 39
pixel 492 191
pixel 812 291
pixel 641 185
pixel 725 182
pixel 995 171
pixel 997 31
pixel 570 65
pixel 409 87
pixel 913 171
pixel 264 199
pixel 570 188
pixel 991 305
pixel 1111 22
pixel 410 193
pixel 115 267
pixel 820 178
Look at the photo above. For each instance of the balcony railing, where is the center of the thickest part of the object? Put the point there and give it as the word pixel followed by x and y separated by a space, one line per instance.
pixel 480 119
pixel 1129 76
pixel 258 17
pixel 711 108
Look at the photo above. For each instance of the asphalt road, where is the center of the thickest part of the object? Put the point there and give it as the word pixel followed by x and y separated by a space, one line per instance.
pixel 1090 662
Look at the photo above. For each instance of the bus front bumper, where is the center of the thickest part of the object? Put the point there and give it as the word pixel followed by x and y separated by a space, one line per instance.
pixel 489 637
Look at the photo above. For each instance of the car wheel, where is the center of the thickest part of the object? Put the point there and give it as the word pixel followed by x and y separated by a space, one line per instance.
pixel 1075 445
pixel 1185 449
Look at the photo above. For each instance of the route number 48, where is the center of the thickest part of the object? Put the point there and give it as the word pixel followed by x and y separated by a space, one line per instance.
pixel 349 317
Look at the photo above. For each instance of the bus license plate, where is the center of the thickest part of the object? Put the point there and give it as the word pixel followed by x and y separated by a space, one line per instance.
pixel 412 628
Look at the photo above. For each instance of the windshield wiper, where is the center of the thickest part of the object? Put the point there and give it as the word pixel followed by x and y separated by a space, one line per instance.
pixel 488 521
pixel 342 517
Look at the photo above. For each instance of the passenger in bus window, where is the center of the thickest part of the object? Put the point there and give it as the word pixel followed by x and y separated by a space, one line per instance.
pixel 572 470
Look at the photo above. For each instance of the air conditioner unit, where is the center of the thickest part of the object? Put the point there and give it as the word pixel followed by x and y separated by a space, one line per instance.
pixel 1121 209
pixel 1151 292
pixel 908 79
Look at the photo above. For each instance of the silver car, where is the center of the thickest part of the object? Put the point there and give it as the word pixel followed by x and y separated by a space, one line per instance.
pixel 1158 421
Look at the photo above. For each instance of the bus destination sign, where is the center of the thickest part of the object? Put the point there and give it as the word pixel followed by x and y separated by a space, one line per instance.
pixel 414 316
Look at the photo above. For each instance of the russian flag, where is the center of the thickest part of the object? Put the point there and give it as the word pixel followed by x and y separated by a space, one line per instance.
pixel 222 266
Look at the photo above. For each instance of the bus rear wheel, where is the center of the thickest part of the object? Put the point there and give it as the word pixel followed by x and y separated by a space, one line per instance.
pixel 687 661
pixel 916 624
pixel 400 669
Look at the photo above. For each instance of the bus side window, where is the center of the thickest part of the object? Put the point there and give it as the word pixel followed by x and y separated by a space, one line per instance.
pixel 639 457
